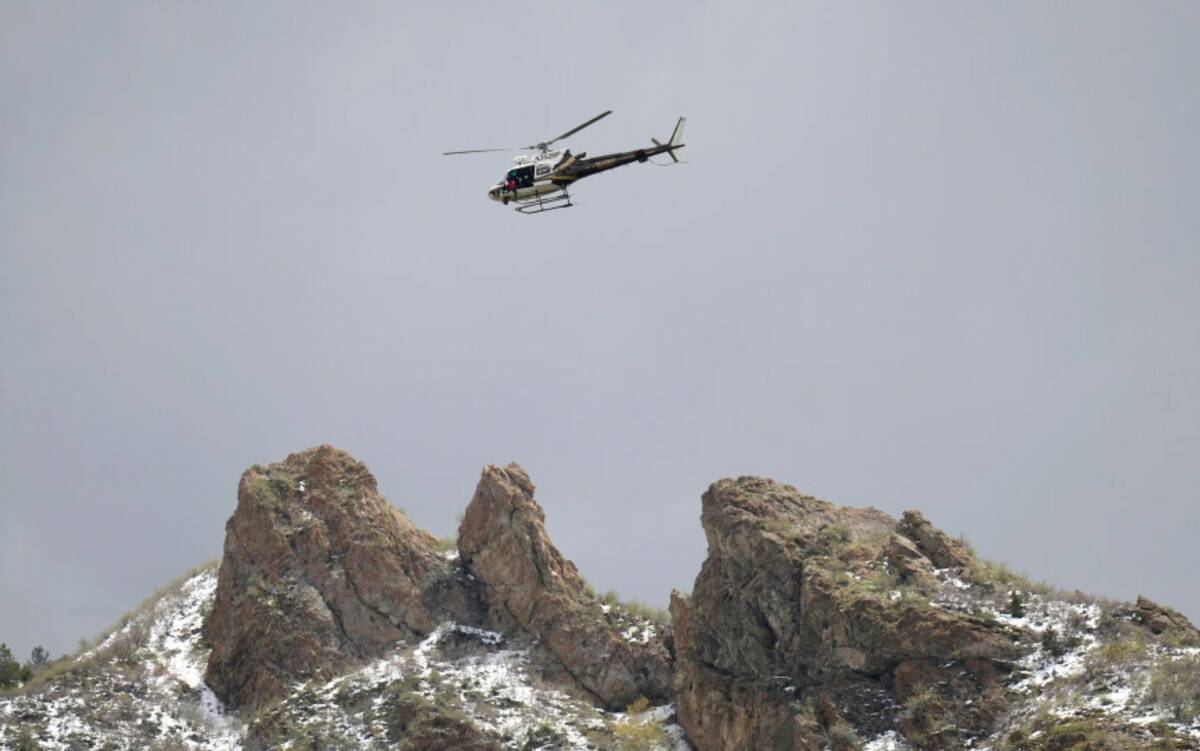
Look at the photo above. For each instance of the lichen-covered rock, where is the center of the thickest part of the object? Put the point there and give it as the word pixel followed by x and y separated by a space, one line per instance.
pixel 318 571
pixel 902 555
pixel 1164 621
pixel 531 588
pixel 942 549
pixel 724 710
pixel 797 599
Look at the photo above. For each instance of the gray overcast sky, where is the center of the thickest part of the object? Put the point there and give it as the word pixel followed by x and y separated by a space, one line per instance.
pixel 940 255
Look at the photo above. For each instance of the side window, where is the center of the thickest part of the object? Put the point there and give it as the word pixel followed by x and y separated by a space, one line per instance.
pixel 543 168
pixel 525 177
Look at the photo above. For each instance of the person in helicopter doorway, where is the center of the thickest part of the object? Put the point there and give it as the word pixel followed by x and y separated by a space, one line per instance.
pixel 510 184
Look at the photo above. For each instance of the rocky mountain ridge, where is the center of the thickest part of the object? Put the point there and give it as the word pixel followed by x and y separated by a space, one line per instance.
pixel 333 622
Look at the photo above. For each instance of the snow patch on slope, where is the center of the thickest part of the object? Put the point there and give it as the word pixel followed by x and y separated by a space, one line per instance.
pixel 476 670
pixel 143 684
pixel 889 741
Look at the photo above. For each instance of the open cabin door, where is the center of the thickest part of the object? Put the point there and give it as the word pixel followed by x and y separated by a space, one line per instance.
pixel 523 176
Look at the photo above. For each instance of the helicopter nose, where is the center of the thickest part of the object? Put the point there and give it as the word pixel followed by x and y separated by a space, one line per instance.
pixel 494 193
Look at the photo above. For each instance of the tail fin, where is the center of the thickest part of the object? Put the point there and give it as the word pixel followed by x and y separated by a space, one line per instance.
pixel 677 136
pixel 676 141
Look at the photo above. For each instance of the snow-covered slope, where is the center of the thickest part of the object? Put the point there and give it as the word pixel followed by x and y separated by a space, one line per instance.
pixel 1089 682
pixel 142 687
pixel 1092 671
pixel 458 670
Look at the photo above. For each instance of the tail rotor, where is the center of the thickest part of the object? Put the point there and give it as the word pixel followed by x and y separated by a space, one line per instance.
pixel 675 142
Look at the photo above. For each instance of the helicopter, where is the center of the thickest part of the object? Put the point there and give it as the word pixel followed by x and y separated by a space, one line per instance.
pixel 538 182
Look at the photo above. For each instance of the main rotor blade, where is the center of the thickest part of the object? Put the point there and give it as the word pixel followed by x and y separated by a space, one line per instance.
pixel 476 151
pixel 576 129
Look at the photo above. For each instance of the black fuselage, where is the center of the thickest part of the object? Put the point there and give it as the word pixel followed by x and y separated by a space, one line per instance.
pixel 586 167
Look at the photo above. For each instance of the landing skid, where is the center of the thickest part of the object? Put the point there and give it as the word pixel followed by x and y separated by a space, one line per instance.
pixel 542 203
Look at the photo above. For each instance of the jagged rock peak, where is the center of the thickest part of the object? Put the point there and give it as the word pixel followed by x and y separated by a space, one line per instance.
pixel 319 571
pixel 502 538
pixel 530 587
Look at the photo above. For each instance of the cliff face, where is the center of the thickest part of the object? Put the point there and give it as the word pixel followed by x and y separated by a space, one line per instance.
pixel 803 601
pixel 320 571
pixel 529 586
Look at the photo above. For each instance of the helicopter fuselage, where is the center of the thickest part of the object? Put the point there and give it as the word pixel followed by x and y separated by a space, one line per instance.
pixel 552 171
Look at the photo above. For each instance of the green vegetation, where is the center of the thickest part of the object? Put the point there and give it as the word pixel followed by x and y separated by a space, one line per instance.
pixel 12 673
pixel 1119 653
pixel 882 582
pixel 398 717
pixel 639 609
pixel 851 554
pixel 1080 734
pixel 543 736
pixel 1052 644
pixel 842 737
pixel 638 732
pixel 967 545
pixel 638 706
pixel 926 720
pixel 1173 684
pixel 1000 577
pixel 1016 605
pixel 834 536
pixel 831 539
pixel 37 658
pixel 261 488
pixel 1047 732
pixel 634 607
pixel 885 585
pixel 631 735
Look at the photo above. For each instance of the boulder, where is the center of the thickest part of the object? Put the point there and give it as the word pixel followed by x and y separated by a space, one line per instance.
pixel 531 588
pixel 942 549
pixel 320 571
pixel 1167 622
pixel 903 556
